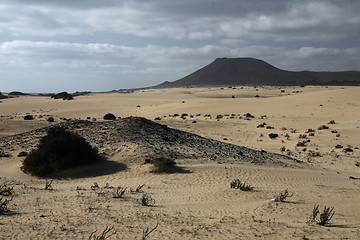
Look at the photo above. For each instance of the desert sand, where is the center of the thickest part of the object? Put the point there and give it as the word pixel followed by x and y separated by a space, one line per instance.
pixel 198 202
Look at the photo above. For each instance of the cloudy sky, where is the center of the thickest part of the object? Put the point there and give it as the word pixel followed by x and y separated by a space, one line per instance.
pixel 99 45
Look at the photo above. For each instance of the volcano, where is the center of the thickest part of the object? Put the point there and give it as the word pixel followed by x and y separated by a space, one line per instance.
pixel 251 71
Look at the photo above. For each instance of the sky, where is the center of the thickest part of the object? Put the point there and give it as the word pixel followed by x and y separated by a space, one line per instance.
pixel 103 45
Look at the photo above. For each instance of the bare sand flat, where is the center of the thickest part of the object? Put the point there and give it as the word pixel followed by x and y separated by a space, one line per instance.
pixel 197 203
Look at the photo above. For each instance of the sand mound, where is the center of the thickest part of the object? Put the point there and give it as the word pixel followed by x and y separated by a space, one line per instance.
pixel 150 138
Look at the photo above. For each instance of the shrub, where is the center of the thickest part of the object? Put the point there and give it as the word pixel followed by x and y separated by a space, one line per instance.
pixel 282 196
pixel 162 165
pixel 301 144
pixel 6 191
pixel 147 232
pixel 322 127
pixel 237 184
pixel 50 119
pixel 104 235
pixel 248 115
pixel 273 135
pixel 332 122
pixel 29 117
pixel 60 149
pixel 302 136
pixel 3 205
pixel 48 185
pixel 63 96
pixel 22 154
pixel 3 153
pixel 109 116
pixel 147 200
pixel 324 217
pixel 157 118
pixel 119 192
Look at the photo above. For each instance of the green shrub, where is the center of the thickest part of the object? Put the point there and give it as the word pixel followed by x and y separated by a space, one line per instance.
pixel 60 149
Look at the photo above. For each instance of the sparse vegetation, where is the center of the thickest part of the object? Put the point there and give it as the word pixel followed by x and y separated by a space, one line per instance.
pixel 147 200
pixel 248 115
pixel 322 218
pixel 50 119
pixel 63 96
pixel 3 153
pixel 119 192
pixel 147 232
pixel 48 185
pixel 95 186
pixel 104 235
pixel 5 190
pixel 282 196
pixel 243 186
pixel 322 127
pixel 302 136
pixel 109 116
pixel 4 201
pixel 162 164
pixel 273 135
pixel 29 117
pixel 60 149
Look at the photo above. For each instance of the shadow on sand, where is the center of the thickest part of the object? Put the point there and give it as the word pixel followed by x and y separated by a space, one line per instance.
pixel 100 168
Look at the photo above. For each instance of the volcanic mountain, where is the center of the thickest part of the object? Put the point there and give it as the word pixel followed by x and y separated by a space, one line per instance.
pixel 250 71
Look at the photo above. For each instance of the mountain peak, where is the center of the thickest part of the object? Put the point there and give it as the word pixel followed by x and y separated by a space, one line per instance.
pixel 252 71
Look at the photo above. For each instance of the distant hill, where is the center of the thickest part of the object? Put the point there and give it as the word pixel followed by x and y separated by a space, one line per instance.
pixel 250 71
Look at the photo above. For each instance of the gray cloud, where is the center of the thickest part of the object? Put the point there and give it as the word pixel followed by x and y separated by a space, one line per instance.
pixel 140 43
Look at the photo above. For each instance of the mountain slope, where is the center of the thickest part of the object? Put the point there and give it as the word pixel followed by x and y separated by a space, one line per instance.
pixel 250 71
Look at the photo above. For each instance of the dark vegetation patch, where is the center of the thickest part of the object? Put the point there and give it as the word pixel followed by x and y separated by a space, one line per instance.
pixel 63 96
pixel 109 116
pixel 60 149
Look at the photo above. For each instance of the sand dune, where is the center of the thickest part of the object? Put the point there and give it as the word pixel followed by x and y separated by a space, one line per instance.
pixel 199 203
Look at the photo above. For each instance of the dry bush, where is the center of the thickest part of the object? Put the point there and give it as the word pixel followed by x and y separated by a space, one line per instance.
pixel 162 165
pixel 322 218
pixel 282 196
pixel 95 186
pixel 48 185
pixel 104 235
pixel 243 186
pixel 3 153
pixel 322 127
pixel 147 232
pixel 4 205
pixel 147 200
pixel 6 191
pixel 119 192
